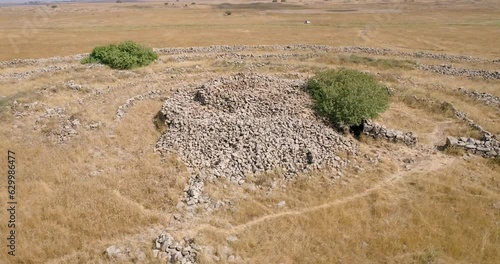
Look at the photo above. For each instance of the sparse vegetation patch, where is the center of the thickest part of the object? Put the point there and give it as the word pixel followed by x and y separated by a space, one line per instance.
pixel 379 63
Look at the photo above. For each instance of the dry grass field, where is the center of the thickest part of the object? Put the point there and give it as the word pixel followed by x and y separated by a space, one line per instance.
pixel 104 185
pixel 449 26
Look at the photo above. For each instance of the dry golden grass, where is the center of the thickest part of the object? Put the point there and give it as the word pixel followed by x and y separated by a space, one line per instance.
pixel 107 186
pixel 63 202
pixel 427 217
pixel 76 28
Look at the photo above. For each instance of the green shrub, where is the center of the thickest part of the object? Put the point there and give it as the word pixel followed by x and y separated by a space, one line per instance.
pixel 227 13
pixel 275 1
pixel 347 97
pixel 126 55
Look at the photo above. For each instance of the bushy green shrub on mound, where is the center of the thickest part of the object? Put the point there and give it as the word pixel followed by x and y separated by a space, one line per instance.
pixel 126 55
pixel 347 97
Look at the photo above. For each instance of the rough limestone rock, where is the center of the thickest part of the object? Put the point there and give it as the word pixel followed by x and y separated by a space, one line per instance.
pixel 379 131
pixel 447 69
pixel 487 98
pixel 168 250
pixel 240 125
pixel 487 146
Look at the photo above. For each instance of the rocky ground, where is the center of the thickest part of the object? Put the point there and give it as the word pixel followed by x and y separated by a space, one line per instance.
pixel 227 122
pixel 240 125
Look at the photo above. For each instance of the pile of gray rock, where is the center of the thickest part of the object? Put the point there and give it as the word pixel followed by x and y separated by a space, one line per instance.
pixel 381 132
pixel 244 124
pixel 487 98
pixel 167 250
pixel 487 146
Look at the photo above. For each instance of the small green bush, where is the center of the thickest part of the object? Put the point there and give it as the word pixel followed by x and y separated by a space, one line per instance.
pixel 126 55
pixel 347 97
pixel 227 13
pixel 275 1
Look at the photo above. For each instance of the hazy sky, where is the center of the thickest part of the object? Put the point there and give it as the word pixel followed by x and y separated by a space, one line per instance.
pixel 18 1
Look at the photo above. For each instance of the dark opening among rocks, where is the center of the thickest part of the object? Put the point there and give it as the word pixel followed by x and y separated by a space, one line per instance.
pixel 357 130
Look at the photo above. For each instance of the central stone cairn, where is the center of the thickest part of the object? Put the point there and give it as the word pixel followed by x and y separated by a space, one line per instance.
pixel 246 124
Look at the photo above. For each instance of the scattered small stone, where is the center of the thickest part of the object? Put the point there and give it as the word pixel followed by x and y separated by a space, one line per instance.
pixel 232 238
pixel 113 251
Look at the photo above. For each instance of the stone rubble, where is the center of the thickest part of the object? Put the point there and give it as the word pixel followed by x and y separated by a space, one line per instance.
pixel 487 146
pixel 166 249
pixel 66 125
pixel 31 62
pixel 487 98
pixel 182 54
pixel 323 48
pixel 239 156
pixel 300 47
pixel 73 86
pixel 381 132
pixel 240 125
pixel 27 74
pixel 446 69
